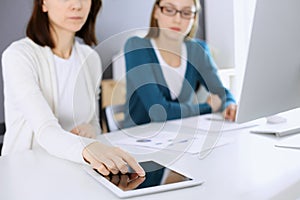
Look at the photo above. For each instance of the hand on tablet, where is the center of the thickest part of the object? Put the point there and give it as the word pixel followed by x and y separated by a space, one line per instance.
pixel 109 159
pixel 126 181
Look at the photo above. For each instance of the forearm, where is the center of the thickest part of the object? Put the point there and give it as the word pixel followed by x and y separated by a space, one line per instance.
pixel 61 143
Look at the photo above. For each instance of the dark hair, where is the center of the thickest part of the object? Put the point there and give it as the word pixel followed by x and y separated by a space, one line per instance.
pixel 154 29
pixel 38 28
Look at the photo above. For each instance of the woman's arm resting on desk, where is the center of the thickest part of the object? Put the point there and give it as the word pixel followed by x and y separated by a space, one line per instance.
pixel 208 76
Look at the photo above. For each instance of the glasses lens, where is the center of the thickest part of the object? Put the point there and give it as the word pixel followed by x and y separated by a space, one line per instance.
pixel 168 11
pixel 187 14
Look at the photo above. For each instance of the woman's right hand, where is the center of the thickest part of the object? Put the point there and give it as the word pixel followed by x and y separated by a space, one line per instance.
pixel 214 101
pixel 109 159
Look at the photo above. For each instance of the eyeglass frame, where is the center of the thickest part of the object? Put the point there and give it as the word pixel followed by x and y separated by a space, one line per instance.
pixel 176 11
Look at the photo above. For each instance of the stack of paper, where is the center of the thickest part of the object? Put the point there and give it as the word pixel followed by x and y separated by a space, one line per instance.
pixel 175 142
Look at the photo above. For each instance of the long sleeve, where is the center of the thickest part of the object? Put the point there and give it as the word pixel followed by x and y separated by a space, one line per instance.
pixel 28 110
pixel 208 73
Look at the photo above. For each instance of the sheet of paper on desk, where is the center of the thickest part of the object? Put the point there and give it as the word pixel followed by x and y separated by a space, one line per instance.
pixel 212 123
pixel 292 142
pixel 169 141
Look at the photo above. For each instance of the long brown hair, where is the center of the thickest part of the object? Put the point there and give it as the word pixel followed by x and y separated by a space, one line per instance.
pixel 38 28
pixel 154 29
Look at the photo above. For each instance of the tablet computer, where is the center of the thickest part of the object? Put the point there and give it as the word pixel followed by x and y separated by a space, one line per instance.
pixel 158 178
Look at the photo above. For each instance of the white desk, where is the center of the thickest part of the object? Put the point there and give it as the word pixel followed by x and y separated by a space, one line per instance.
pixel 248 168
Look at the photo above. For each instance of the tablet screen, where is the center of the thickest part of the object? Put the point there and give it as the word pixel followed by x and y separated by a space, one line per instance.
pixel 156 175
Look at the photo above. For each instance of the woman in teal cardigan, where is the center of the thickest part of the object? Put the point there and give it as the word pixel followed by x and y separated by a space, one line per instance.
pixel 164 69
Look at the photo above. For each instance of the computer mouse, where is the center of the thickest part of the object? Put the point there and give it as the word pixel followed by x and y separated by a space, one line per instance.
pixel 276 119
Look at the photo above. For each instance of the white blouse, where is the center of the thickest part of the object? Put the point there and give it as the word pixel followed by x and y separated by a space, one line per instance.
pixel 174 76
pixel 67 75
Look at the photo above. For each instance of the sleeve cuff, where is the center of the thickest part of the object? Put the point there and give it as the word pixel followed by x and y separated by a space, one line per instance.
pixel 204 108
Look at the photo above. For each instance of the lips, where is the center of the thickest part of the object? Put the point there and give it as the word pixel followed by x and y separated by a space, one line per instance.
pixel 76 18
pixel 175 29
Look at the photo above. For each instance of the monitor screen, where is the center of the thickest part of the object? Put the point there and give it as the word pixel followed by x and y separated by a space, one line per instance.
pixel 272 77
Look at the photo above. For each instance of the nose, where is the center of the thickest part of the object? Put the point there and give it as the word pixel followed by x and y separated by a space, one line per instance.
pixel 76 4
pixel 177 17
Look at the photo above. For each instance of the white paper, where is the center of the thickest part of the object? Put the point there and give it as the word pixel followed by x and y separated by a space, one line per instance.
pixel 171 141
pixel 212 123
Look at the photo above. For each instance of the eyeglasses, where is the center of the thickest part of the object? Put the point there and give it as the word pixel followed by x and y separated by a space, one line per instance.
pixel 171 11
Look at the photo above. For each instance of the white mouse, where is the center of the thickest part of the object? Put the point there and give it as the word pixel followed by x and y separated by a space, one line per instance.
pixel 275 119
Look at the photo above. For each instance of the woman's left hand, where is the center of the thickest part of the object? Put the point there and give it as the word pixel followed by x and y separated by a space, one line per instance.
pixel 230 112
pixel 84 130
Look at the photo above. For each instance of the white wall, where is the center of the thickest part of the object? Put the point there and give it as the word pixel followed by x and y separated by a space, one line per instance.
pixel 228 28
pixel 243 12
pixel 116 22
pixel 219 24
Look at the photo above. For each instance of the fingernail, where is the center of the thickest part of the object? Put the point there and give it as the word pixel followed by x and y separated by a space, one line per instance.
pixel 142 173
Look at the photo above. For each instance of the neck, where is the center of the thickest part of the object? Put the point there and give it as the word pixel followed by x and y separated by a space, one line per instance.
pixel 63 43
pixel 173 46
pixel 170 50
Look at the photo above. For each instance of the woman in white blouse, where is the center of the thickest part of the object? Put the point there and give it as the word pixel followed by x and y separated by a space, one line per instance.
pixel 51 88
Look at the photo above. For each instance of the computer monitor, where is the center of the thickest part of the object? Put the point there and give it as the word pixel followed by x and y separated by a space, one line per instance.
pixel 271 82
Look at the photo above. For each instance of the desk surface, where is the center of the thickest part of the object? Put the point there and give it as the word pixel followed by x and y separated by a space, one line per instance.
pixel 250 167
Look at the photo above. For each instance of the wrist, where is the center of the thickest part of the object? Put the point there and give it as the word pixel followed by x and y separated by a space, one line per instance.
pixel 86 152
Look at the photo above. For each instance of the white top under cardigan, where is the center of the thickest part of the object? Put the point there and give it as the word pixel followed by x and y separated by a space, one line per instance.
pixel 31 99
pixel 67 75
pixel 174 76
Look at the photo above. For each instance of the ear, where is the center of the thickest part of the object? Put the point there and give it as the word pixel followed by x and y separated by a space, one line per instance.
pixel 44 6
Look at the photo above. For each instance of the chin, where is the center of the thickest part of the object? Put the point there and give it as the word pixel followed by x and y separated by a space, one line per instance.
pixel 75 27
pixel 175 36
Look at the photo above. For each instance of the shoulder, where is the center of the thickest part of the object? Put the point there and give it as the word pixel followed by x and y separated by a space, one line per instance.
pixel 85 50
pixel 23 46
pixel 24 52
pixel 199 44
pixel 198 49
pixel 83 47
pixel 87 53
pixel 24 42
pixel 137 42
